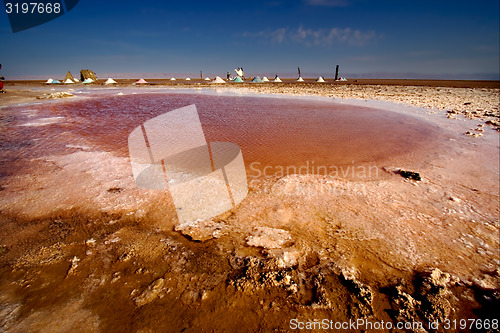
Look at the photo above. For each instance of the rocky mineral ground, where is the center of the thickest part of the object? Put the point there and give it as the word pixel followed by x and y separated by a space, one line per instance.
pixel 83 249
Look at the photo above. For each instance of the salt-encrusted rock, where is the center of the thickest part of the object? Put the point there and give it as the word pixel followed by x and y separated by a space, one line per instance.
pixel 201 230
pixel 287 259
pixel 74 265
pixel 435 295
pixel 364 293
pixel 410 175
pixel 90 242
pixel 261 274
pixel 473 134
pixel 487 282
pixel 268 238
pixel 436 306
pixel 407 306
pixel 431 302
pixel 438 279
pixel 61 94
pixel 150 293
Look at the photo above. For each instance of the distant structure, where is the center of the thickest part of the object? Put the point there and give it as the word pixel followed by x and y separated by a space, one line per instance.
pixel 337 73
pixel 87 74
pixel 69 78
pixel 299 79
pixel 240 73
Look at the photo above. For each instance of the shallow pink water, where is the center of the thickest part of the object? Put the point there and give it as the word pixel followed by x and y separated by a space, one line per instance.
pixel 277 133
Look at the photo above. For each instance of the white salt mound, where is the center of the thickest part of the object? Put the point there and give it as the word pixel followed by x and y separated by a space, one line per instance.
pixel 60 94
pixel 218 79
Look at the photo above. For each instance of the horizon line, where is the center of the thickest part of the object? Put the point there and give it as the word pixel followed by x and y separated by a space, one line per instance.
pixel 287 75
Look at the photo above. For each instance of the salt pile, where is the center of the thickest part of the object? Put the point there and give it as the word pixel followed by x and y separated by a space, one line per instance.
pixel 257 79
pixel 218 79
pixel 320 79
pixel 61 94
pixel 277 79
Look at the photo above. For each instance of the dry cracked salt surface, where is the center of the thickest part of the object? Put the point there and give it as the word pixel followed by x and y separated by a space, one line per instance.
pixel 83 249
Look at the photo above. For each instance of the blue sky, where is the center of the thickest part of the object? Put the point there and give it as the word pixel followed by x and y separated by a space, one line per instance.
pixel 400 39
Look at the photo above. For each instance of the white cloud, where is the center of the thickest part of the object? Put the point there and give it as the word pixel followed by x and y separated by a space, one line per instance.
pixel 278 35
pixel 318 37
